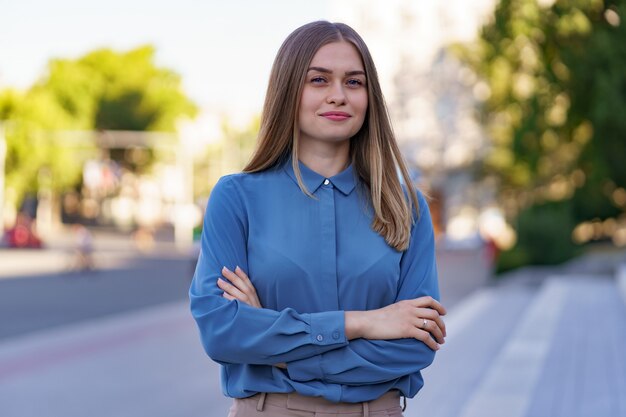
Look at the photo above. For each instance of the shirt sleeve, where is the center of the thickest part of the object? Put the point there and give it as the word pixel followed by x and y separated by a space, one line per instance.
pixel 366 362
pixel 232 331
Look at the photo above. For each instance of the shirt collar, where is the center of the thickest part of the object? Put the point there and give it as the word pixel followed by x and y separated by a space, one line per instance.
pixel 344 181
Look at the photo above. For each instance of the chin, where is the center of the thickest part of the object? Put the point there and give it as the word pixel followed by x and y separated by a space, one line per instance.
pixel 336 138
pixel 339 136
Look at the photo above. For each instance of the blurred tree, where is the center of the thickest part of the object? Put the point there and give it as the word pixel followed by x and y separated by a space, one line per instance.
pixel 553 94
pixel 598 90
pixel 104 89
pixel 31 150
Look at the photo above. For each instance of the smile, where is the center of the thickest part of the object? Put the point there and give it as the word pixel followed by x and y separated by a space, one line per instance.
pixel 336 116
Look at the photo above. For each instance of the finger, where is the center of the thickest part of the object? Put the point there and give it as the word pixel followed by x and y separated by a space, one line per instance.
pixel 242 274
pixel 228 296
pixel 236 280
pixel 239 272
pixel 231 289
pixel 429 302
pixel 233 278
pixel 424 336
pixel 433 315
pixel 436 305
pixel 432 328
pixel 240 280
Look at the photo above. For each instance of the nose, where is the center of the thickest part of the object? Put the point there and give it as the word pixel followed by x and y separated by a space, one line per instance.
pixel 336 95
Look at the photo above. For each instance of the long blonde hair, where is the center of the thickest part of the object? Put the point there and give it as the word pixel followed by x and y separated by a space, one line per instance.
pixel 374 152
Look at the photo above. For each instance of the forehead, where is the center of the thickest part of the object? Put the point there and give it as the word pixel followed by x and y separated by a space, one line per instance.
pixel 342 55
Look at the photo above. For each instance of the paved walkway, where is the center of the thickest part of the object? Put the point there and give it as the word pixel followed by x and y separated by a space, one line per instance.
pixel 147 363
pixel 546 343
pixel 531 346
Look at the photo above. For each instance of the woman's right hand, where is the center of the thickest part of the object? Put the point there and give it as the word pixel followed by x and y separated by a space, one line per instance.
pixel 418 318
pixel 238 287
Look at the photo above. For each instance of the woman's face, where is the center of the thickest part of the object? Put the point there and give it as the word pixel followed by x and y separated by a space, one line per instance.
pixel 334 98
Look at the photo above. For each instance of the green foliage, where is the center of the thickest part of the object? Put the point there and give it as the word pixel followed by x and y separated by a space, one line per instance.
pixel 554 104
pixel 544 236
pixel 28 120
pixel 513 258
pixel 104 89
pixel 119 90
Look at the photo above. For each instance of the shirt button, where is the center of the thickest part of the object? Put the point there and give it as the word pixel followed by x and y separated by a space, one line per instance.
pixel 335 335
pixel 319 337
pixel 326 181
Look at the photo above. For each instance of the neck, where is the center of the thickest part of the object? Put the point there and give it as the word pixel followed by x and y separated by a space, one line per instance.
pixel 326 159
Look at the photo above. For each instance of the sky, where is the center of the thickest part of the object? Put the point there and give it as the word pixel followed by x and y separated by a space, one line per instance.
pixel 222 49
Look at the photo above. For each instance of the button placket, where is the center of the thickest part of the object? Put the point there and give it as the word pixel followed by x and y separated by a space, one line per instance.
pixel 328 249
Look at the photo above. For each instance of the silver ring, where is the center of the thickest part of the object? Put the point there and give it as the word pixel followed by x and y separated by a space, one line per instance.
pixel 424 324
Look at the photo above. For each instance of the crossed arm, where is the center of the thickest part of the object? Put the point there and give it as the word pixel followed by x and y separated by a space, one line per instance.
pixel 418 318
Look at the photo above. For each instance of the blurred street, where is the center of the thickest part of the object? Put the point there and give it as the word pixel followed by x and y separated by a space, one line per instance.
pixel 119 341
pixel 41 289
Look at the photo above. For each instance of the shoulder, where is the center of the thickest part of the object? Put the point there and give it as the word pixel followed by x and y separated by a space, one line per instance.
pixel 422 199
pixel 228 182
pixel 238 180
pixel 228 190
pixel 245 184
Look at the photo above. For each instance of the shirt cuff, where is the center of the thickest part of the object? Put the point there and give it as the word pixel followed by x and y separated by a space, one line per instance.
pixel 328 328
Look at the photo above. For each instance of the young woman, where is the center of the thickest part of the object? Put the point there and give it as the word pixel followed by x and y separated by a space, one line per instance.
pixel 316 284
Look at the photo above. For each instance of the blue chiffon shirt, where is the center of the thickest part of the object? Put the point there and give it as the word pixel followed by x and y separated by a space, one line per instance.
pixel 310 260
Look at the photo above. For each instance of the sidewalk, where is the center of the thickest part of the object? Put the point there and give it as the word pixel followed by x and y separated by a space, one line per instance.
pixel 147 363
pixel 519 348
pixel 546 342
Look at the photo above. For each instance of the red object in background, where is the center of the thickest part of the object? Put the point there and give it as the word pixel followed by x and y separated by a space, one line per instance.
pixel 491 251
pixel 22 234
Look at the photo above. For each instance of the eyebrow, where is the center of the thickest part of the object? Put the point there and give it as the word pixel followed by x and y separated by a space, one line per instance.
pixel 327 71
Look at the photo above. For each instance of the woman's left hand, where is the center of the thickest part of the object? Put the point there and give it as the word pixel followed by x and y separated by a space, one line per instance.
pixel 238 287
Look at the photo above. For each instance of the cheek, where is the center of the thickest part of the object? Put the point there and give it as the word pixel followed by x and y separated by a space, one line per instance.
pixel 361 103
pixel 305 107
pixel 308 100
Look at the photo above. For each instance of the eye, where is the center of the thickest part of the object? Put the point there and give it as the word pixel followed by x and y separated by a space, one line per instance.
pixel 318 80
pixel 354 82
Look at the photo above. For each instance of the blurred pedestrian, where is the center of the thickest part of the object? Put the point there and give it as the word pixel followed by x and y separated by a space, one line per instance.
pixel 316 283
pixel 144 239
pixel 83 249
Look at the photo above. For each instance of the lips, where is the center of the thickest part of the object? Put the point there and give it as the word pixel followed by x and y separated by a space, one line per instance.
pixel 336 115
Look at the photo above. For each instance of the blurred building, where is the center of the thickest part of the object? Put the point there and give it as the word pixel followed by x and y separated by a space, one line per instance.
pixel 137 181
pixel 431 97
